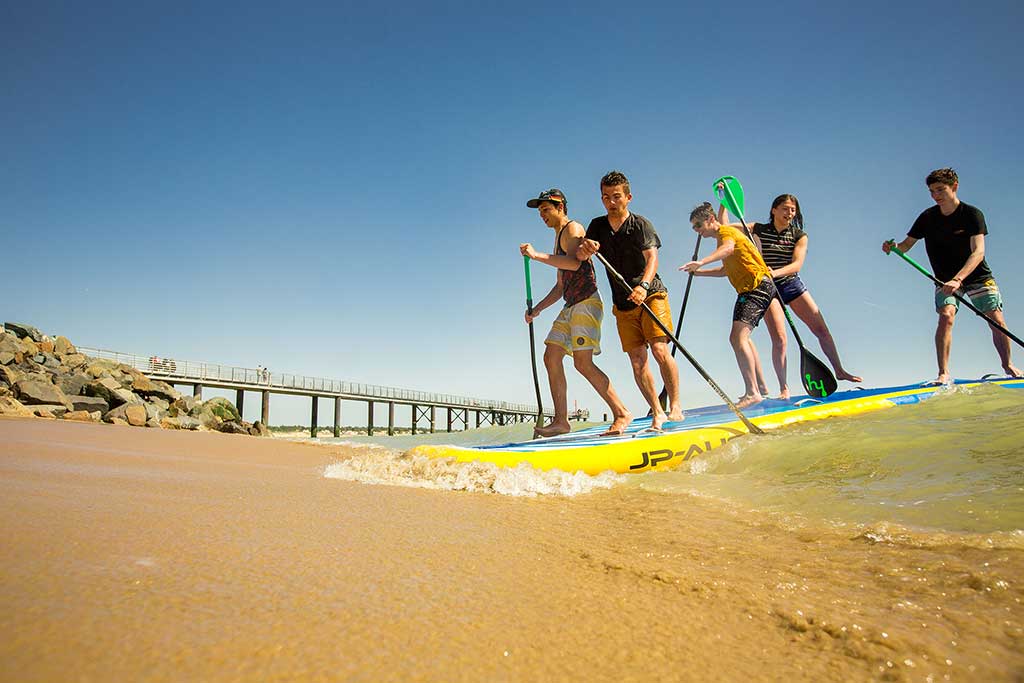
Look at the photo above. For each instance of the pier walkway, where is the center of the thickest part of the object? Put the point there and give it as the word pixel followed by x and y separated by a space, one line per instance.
pixel 423 405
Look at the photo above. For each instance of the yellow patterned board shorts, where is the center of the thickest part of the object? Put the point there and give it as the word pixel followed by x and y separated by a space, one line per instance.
pixel 578 327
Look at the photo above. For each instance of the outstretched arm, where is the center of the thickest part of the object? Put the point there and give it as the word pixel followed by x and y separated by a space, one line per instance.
pixel 722 252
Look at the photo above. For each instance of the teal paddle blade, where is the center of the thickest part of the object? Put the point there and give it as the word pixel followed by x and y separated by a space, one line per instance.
pixel 731 196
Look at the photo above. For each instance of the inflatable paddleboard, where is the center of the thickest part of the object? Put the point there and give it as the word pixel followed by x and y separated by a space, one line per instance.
pixel 702 429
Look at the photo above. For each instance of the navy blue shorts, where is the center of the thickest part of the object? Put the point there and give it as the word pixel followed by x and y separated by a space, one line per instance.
pixel 791 288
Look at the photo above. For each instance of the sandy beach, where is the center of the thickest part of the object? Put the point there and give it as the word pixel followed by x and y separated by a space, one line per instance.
pixel 154 555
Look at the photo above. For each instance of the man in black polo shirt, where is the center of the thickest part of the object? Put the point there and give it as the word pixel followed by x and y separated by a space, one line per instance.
pixel 630 244
pixel 954 237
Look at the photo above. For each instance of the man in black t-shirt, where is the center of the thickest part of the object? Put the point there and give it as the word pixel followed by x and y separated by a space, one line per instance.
pixel 630 244
pixel 954 237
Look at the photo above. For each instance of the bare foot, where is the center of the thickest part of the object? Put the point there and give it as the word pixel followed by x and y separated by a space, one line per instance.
pixel 676 416
pixel 553 429
pixel 943 378
pixel 763 389
pixel 1013 371
pixel 658 419
pixel 746 401
pixel 843 374
pixel 784 394
pixel 619 425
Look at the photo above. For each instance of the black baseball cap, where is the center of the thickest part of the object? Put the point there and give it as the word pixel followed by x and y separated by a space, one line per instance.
pixel 552 195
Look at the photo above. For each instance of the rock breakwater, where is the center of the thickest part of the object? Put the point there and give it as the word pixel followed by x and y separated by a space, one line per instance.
pixel 46 377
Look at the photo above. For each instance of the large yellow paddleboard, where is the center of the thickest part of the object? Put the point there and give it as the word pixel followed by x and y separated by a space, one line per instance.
pixel 640 450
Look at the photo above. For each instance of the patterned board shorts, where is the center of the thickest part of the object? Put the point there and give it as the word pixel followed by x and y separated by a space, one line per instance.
pixel 578 327
pixel 985 295
pixel 751 306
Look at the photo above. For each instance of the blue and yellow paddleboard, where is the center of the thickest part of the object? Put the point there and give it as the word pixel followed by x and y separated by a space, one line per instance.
pixel 702 430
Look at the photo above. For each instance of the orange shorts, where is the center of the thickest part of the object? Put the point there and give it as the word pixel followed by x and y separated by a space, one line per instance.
pixel 636 327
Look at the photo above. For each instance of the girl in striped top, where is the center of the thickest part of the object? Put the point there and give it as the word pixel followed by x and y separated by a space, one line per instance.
pixel 783 243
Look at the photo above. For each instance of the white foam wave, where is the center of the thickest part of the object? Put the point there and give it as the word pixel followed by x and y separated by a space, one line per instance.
pixel 383 466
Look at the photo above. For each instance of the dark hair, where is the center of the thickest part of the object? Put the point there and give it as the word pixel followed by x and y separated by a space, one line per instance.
pixel 613 178
pixel 798 219
pixel 703 212
pixel 946 176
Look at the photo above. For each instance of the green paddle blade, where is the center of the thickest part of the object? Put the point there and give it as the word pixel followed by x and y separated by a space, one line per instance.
pixel 732 196
pixel 816 377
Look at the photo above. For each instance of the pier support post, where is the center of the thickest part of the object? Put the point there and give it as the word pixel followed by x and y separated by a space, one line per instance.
pixel 337 416
pixel 449 419
pixel 391 418
pixel 414 407
pixel 312 425
pixel 239 400
pixel 478 419
pixel 265 409
pixel 433 418
pixel 197 391
pixel 369 418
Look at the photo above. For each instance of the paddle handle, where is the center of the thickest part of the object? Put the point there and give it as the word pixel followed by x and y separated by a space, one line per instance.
pixel 962 299
pixel 533 343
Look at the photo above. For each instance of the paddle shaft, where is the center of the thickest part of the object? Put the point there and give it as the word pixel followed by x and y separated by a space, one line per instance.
pixel 753 428
pixel 663 396
pixel 533 350
pixel 964 300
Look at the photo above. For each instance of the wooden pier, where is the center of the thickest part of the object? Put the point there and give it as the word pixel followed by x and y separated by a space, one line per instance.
pixel 424 406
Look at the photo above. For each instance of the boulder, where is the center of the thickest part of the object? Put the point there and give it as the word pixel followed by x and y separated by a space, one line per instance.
pixel 223 408
pixel 80 416
pixel 89 404
pixel 128 397
pixel 134 415
pixel 31 392
pixel 119 421
pixel 72 384
pixel 153 413
pixel 232 427
pixel 29 347
pixel 64 346
pixel 50 411
pixel 8 375
pixel 104 388
pixel 190 423
pixel 259 429
pixel 11 406
pixel 46 345
pixel 22 330
pixel 144 386
pixel 51 361
pixel 6 357
pixel 72 360
pixel 170 423
pixel 183 406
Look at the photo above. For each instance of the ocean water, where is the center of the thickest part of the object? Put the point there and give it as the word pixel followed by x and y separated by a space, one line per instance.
pixel 952 464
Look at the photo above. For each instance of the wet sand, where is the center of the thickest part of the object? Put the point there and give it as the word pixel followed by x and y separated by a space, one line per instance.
pixel 148 555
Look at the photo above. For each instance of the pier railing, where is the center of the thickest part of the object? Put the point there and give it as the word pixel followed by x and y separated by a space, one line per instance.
pixel 186 371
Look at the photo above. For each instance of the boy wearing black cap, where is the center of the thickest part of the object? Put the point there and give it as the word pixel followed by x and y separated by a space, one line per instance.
pixel 577 329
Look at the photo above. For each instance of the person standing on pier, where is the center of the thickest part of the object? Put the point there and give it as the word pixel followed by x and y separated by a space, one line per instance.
pixel 577 329
pixel 630 244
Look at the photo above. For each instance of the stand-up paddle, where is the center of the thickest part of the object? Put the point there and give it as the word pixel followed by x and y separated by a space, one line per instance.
pixel 533 350
pixel 816 377
pixel 751 427
pixel 663 396
pixel 964 300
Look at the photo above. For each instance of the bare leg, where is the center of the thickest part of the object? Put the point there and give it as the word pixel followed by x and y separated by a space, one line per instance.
pixel 669 375
pixel 1002 344
pixel 739 338
pixel 762 386
pixel 645 382
pixel 775 321
pixel 943 342
pixel 808 311
pixel 556 381
pixel 584 362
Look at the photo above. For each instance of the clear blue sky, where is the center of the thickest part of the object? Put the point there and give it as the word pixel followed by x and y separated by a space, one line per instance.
pixel 338 189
